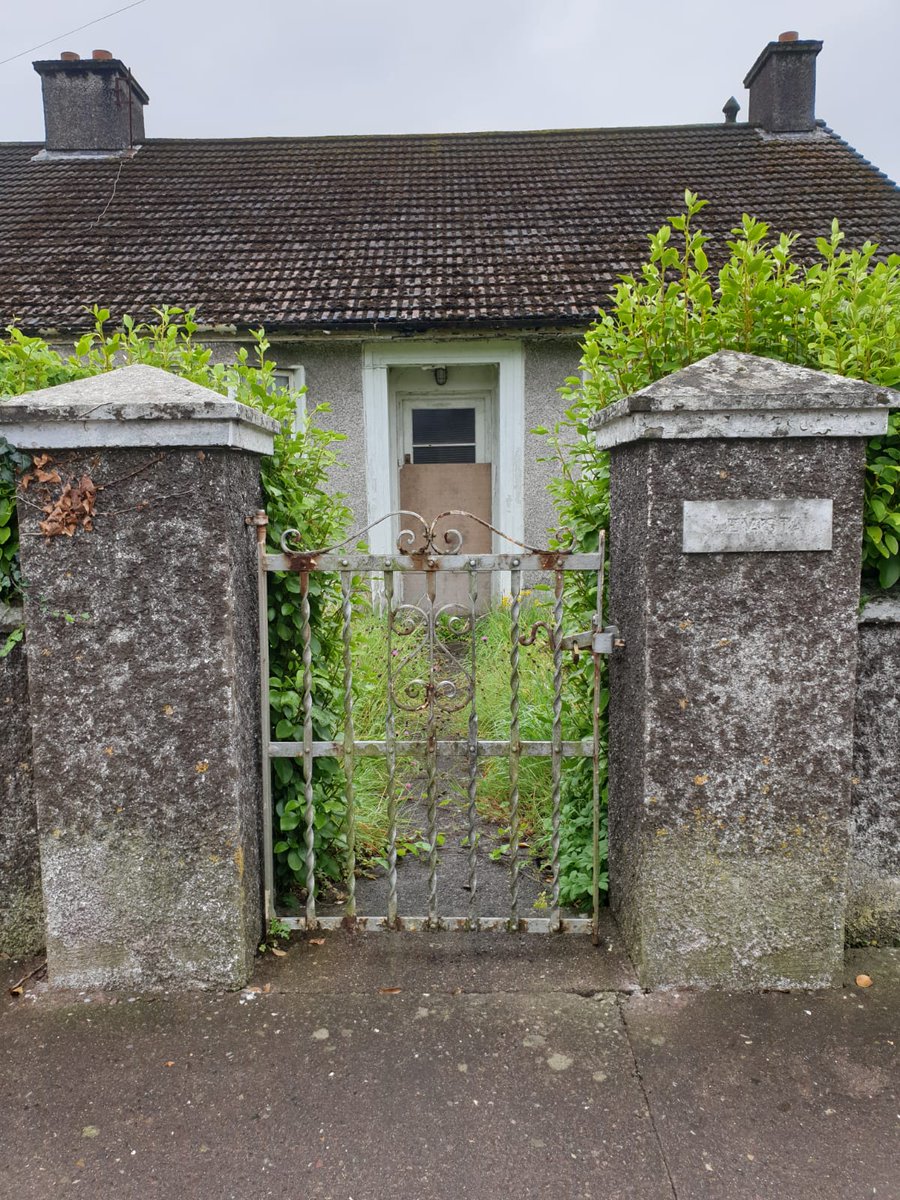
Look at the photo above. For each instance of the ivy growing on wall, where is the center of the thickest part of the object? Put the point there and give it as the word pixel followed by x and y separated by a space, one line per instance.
pixel 296 491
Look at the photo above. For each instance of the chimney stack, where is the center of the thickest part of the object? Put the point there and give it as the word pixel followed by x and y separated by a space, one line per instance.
pixel 782 85
pixel 91 105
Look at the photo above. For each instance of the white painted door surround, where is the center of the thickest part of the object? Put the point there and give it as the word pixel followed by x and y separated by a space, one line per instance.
pixel 383 437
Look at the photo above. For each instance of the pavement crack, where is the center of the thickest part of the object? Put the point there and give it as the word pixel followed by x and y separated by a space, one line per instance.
pixel 640 1082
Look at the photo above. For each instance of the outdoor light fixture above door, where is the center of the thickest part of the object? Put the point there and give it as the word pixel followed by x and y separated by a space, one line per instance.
pixel 440 376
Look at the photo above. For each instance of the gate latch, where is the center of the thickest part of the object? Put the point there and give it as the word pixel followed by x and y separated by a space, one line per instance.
pixel 598 641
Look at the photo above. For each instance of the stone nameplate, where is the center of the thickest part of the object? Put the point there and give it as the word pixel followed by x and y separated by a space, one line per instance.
pixel 742 526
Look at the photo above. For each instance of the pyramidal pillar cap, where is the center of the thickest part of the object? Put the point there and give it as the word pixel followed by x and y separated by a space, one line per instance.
pixel 733 395
pixel 133 406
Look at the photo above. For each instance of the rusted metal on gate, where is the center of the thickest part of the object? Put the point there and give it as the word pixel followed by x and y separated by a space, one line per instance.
pixel 414 634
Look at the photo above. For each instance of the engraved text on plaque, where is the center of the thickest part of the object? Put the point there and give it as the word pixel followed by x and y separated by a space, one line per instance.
pixel 739 526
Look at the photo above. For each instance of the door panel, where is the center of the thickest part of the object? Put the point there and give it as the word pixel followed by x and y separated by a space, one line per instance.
pixel 432 488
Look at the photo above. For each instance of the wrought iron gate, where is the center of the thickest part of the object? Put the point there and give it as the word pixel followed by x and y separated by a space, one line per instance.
pixel 435 677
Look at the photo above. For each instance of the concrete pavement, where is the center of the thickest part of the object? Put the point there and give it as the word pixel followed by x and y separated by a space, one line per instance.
pixel 423 1066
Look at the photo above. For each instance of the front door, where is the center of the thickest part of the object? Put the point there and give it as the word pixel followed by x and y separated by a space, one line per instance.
pixel 446 467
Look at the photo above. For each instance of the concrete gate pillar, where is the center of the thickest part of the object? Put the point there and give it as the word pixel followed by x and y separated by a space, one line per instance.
pixel 736 527
pixel 140 610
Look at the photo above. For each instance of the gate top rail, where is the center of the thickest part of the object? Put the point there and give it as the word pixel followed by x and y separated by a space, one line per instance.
pixel 545 560
pixel 429 555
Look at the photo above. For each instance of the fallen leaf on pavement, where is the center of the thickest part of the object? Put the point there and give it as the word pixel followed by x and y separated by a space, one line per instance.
pixel 317 941
pixel 389 991
pixel 863 981
pixel 278 953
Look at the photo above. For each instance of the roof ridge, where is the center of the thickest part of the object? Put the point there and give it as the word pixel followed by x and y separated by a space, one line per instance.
pixel 457 133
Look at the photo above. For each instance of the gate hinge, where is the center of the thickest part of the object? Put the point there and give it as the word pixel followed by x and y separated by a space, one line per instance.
pixel 598 641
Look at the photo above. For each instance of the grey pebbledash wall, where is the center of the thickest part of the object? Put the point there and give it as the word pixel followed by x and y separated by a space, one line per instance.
pixel 143 678
pixel 732 703
pixel 873 905
pixel 21 902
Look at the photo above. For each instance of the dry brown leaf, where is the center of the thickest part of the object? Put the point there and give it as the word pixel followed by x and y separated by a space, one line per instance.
pixel 863 981
pixel 278 953
pixel 389 991
pixel 170 1063
pixel 317 941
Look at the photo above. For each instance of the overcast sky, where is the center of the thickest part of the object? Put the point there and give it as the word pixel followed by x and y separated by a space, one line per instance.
pixel 225 68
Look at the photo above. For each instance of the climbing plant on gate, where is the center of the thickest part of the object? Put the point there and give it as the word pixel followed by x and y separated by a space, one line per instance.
pixel 295 485
pixel 839 313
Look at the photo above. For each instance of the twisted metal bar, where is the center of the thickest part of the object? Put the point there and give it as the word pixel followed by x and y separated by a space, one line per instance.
pixel 595 798
pixel 349 739
pixel 260 521
pixel 307 754
pixel 514 750
pixel 431 752
pixel 556 756
pixel 473 763
pixel 391 757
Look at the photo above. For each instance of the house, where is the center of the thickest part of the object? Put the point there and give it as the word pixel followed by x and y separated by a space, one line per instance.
pixel 432 289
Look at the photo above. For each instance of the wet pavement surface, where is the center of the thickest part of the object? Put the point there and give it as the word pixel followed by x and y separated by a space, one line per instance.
pixel 432 1066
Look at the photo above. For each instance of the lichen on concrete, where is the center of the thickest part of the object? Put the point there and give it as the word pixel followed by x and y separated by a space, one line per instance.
pixel 731 718
pixel 144 688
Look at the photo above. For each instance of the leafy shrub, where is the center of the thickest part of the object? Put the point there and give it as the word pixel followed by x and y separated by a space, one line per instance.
pixel 839 314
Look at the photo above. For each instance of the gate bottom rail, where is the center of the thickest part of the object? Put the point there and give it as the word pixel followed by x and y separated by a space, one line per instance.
pixel 583 748
pixel 370 924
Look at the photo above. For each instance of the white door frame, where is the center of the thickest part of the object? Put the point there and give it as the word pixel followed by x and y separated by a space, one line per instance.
pixel 509 446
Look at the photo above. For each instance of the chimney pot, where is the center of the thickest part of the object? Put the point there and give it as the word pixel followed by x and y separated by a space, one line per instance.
pixel 91 105
pixel 790 35
pixel 70 56
pixel 782 84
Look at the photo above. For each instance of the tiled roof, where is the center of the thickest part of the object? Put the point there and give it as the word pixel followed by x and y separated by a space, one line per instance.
pixel 412 232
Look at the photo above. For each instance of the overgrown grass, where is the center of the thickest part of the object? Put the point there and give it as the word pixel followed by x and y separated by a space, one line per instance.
pixel 371 655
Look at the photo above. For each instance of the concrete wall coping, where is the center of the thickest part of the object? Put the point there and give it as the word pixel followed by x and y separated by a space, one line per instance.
pixel 133 406
pixel 885 610
pixel 733 395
